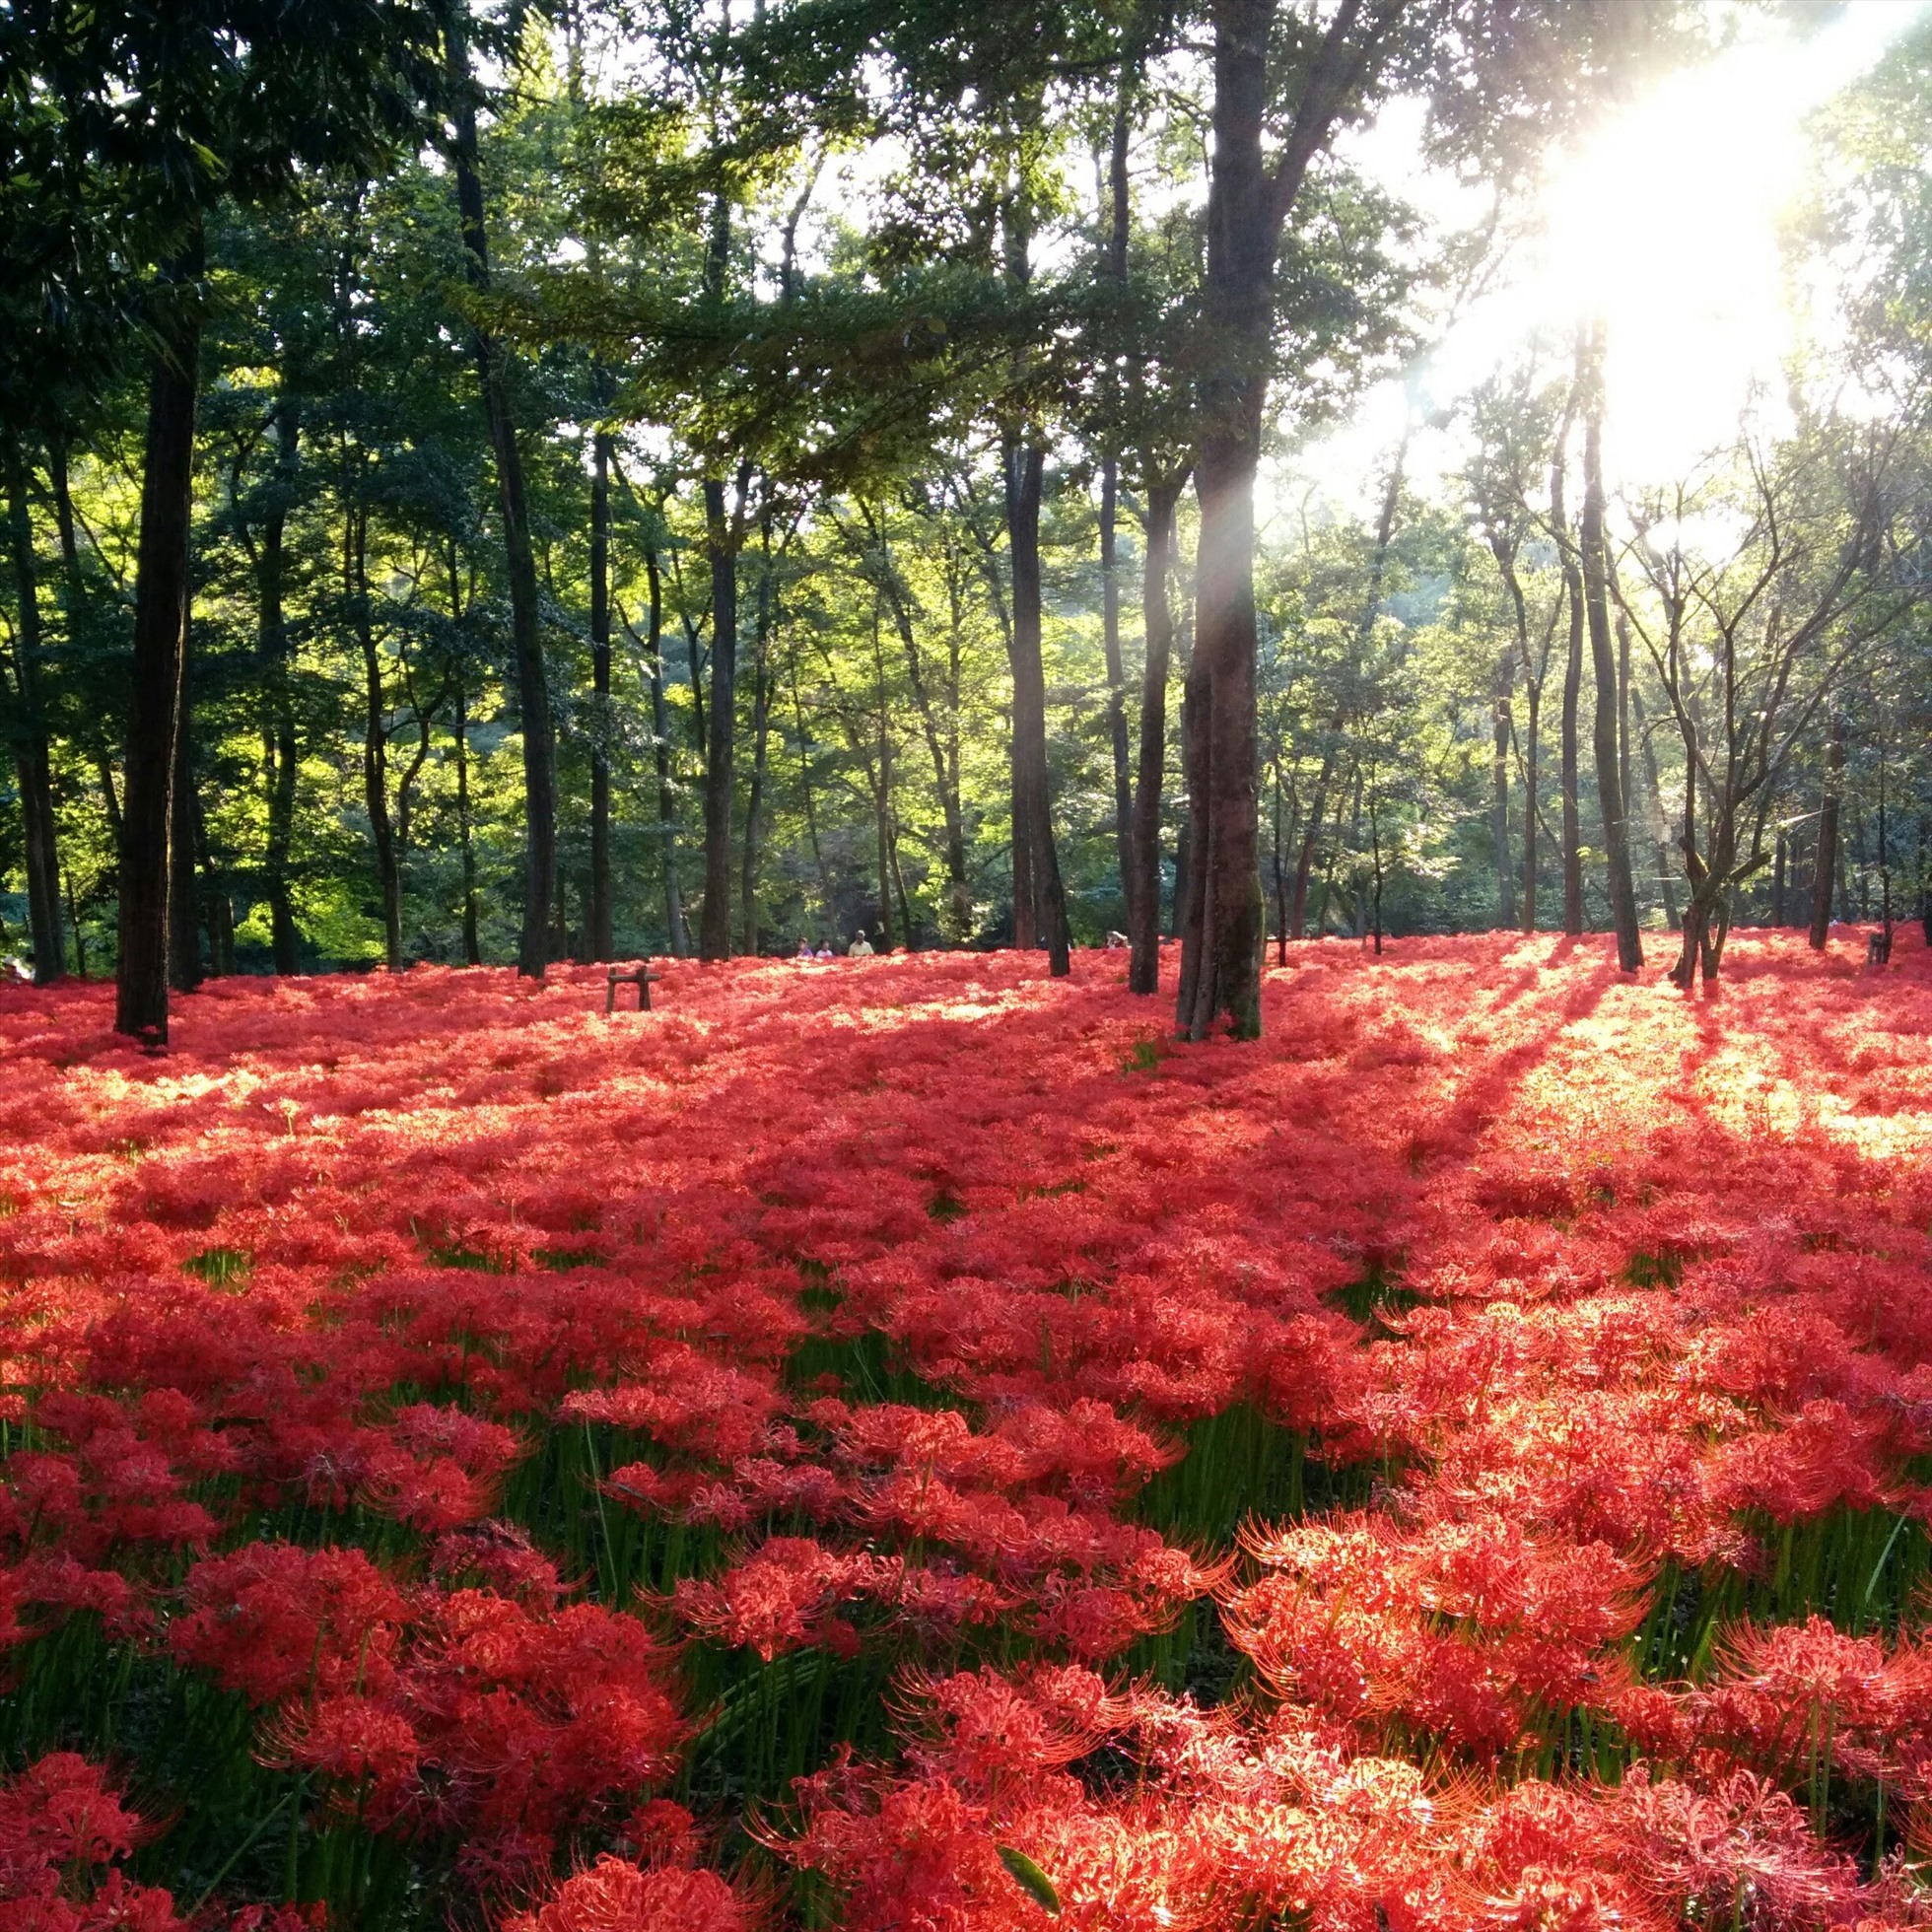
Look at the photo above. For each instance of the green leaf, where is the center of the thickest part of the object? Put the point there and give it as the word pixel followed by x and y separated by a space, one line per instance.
pixel 1030 1876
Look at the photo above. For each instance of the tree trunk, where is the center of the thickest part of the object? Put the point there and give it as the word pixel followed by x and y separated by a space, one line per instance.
pixel 1110 601
pixel 103 773
pixel 1249 198
pixel 1281 876
pixel 1378 564
pixel 1665 870
pixel 675 936
pixel 1623 709
pixel 1610 692
pixel 1532 776
pixel 1144 899
pixel 1311 838
pixel 761 716
pixel 161 612
pixel 1924 883
pixel 473 949
pixel 183 911
pixel 31 759
pixel 1499 805
pixel 1222 924
pixel 811 810
pixel 899 882
pixel 376 736
pixel 1826 865
pixel 944 766
pixel 882 786
pixel 714 922
pixel 1118 230
pixel 597 919
pixel 1572 692
pixel 525 618
pixel 80 935
pixel 1025 467
pixel 217 905
pixel 278 726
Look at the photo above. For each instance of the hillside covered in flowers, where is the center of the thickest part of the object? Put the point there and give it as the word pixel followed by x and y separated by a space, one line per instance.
pixel 903 1445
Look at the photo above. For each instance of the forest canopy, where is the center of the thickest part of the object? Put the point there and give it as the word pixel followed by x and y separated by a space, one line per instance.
pixel 610 479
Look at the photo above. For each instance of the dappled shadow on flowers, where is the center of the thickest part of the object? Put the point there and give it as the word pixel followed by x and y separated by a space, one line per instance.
pixel 909 1426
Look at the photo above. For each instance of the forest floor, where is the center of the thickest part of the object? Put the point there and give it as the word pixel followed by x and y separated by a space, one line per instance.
pixel 903 1443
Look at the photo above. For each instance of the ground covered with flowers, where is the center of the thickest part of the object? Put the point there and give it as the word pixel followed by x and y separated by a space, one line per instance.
pixel 902 1444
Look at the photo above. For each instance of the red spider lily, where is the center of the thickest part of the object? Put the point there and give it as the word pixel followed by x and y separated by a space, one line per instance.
pixel 275 1620
pixel 1625 1287
pixel 784 1595
pixel 59 1825
pixel 616 1896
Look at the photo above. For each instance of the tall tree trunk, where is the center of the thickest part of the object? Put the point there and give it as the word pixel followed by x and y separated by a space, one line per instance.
pixel 1311 838
pixel 103 773
pixel 1110 600
pixel 675 936
pixel 375 733
pixel 1026 898
pixel 899 882
pixel 1222 926
pixel 217 905
pixel 78 932
pixel 1777 881
pixel 278 725
pixel 1609 739
pixel 1378 564
pixel 94 744
pixel 761 717
pixel 1572 692
pixel 1827 833
pixel 1157 616
pixel 811 810
pixel 526 617
pixel 1624 791
pixel 1499 801
pixel 1281 876
pixel 1502 546
pixel 599 917
pixel 1025 467
pixel 161 612
pixel 1039 903
pixel 882 787
pixel 714 922
pixel 1666 869
pixel 945 774
pixel 1250 195
pixel 1192 844
pixel 472 949
pixel 30 760
pixel 361 617
pixel 1118 230
pixel 1532 776
pixel 184 901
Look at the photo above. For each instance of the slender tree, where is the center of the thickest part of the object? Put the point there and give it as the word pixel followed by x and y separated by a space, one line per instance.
pixel 526 617
pixel 1825 865
pixel 30 732
pixel 1595 565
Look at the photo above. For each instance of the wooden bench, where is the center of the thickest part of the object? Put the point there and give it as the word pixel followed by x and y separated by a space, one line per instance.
pixel 640 976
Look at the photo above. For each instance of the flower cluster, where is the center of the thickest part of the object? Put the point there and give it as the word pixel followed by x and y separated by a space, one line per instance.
pixel 1460 1462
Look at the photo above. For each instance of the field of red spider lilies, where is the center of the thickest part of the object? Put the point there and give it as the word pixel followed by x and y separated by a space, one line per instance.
pixel 901 1444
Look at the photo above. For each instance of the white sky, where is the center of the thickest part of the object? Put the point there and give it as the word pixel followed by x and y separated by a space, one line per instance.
pixel 1667 223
